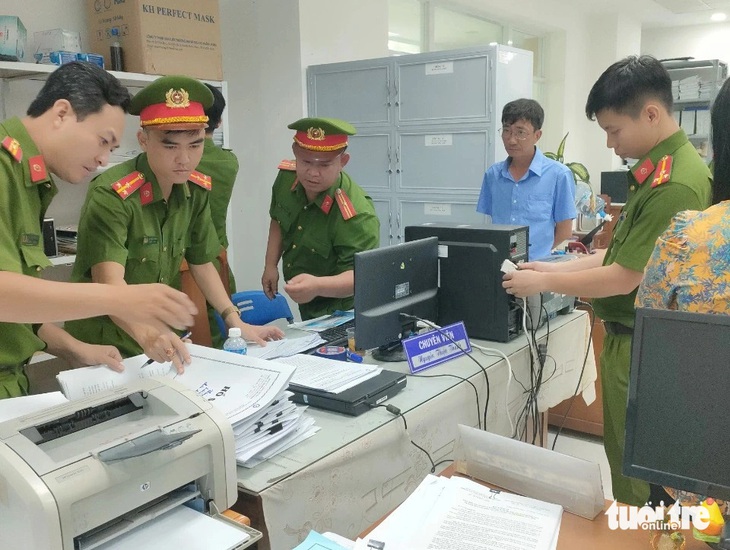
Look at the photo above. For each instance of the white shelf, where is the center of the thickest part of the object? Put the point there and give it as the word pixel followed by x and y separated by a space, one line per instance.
pixel 12 70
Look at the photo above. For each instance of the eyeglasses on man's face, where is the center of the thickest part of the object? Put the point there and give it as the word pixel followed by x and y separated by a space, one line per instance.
pixel 518 133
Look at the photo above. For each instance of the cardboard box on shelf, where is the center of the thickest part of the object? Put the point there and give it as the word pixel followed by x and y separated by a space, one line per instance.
pixel 55 40
pixel 13 38
pixel 158 39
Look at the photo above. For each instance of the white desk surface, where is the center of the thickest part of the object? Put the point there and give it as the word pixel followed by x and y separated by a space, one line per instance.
pixel 374 448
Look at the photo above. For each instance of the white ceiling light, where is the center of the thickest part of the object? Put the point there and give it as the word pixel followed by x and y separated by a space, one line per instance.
pixel 718 16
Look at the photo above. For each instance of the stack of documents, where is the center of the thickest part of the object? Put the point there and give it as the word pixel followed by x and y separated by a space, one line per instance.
pixel 285 347
pixel 319 373
pixel 459 513
pixel 250 392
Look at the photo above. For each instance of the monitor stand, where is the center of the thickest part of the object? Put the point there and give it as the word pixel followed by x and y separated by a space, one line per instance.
pixel 390 353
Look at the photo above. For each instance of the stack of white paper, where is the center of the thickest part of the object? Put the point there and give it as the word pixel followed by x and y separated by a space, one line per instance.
pixel 459 513
pixel 250 392
pixel 286 347
pixel 320 373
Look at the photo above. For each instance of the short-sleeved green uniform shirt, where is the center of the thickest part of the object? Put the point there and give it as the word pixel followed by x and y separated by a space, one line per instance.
pixel 649 210
pixel 147 235
pixel 645 216
pixel 26 190
pixel 222 166
pixel 317 238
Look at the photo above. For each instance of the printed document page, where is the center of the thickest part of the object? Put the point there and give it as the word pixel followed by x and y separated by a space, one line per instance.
pixel 482 518
pixel 327 374
pixel 460 513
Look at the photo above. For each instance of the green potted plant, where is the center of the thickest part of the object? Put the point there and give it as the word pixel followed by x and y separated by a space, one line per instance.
pixel 580 172
pixel 586 201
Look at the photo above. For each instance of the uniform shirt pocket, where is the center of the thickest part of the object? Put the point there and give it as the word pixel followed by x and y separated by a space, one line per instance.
pixel 143 261
pixel 34 259
pixel 316 244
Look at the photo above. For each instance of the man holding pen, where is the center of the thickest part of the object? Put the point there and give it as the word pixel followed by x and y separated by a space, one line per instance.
pixel 144 216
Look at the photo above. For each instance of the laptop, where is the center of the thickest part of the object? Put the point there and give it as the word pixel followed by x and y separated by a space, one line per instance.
pixel 356 400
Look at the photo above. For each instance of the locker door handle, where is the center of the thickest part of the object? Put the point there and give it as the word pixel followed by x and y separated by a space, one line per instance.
pixel 397 160
pixel 397 221
pixel 390 167
pixel 387 91
pixel 390 225
pixel 395 89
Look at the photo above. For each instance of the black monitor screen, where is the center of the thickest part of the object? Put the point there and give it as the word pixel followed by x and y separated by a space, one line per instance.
pixel 677 417
pixel 396 279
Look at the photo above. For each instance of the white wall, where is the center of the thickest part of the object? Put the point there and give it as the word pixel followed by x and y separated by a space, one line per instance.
pixel 267 46
pixel 699 41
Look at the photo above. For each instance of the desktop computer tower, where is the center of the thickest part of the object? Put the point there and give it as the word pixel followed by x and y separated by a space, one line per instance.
pixel 470 276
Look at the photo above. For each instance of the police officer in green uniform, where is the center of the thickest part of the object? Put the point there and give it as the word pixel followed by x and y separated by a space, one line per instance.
pixel 70 129
pixel 632 102
pixel 222 167
pixel 144 216
pixel 319 219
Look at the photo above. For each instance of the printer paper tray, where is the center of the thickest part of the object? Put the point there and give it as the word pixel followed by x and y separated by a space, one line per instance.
pixel 182 528
pixel 133 519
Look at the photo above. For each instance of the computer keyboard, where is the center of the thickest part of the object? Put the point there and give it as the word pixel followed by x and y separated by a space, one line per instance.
pixel 337 335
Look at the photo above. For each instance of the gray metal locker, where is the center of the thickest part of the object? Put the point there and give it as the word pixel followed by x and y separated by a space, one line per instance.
pixel 427 127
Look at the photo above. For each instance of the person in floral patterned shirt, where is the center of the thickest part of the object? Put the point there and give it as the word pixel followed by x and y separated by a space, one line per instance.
pixel 689 269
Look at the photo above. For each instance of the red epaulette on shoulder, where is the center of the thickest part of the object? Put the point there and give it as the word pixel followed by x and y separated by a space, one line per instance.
pixel 128 184
pixel 290 165
pixel 12 146
pixel 198 178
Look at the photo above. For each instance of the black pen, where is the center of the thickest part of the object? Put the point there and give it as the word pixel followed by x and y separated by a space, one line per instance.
pixel 188 334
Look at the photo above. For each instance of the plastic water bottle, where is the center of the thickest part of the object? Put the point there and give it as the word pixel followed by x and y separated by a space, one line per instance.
pixel 234 343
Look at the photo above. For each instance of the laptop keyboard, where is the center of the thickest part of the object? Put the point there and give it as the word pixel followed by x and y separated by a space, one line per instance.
pixel 336 335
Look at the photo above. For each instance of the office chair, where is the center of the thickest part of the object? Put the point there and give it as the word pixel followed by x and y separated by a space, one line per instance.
pixel 257 309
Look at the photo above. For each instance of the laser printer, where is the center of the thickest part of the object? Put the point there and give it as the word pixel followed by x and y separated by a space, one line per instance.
pixel 78 475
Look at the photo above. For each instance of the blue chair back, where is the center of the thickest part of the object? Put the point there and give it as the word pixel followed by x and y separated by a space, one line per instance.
pixel 257 309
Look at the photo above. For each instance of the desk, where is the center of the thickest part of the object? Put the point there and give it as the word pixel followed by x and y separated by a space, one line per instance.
pixel 577 533
pixel 356 469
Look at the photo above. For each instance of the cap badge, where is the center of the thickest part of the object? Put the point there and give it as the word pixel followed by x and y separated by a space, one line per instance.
pixel 316 134
pixel 176 99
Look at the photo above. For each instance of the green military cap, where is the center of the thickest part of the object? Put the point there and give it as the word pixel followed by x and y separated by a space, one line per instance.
pixel 322 134
pixel 174 102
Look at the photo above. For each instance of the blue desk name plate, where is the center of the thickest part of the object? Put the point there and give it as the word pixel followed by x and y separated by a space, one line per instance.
pixel 435 347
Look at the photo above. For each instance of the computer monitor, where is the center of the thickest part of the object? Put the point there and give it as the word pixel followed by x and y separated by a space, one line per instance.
pixel 677 417
pixel 471 258
pixel 396 279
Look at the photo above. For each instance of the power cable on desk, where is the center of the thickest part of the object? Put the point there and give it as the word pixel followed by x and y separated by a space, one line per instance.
pixel 582 370
pixel 486 378
pixel 392 409
pixel 535 349
pixel 476 392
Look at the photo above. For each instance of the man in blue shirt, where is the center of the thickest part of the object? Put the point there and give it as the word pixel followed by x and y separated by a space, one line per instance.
pixel 528 188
